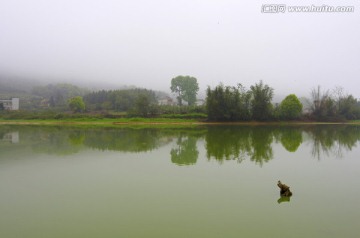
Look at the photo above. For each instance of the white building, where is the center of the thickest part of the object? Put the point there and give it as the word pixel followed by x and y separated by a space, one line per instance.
pixel 200 102
pixel 10 104
pixel 166 101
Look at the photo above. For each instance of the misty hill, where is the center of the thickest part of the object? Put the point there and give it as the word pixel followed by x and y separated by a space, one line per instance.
pixel 10 84
pixel 35 95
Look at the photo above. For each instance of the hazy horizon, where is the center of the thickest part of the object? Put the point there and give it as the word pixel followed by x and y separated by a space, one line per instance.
pixel 147 43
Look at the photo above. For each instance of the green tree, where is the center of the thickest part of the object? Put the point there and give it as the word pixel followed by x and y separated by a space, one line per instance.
pixel 142 105
pixel 261 96
pixel 225 103
pixel 346 104
pixel 58 94
pixel 349 108
pixel 290 107
pixel 186 87
pixel 77 104
pixel 123 100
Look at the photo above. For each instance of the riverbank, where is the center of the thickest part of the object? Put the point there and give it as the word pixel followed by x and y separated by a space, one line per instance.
pixel 106 122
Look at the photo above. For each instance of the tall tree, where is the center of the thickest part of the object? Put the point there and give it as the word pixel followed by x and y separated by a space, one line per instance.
pixel 261 96
pixel 323 105
pixel 142 105
pixel 226 103
pixel 186 87
pixel 346 104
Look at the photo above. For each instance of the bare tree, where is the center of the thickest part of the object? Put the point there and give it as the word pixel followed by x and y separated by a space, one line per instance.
pixel 322 103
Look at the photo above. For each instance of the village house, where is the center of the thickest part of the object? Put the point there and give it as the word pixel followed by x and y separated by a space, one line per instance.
pixel 10 104
pixel 166 101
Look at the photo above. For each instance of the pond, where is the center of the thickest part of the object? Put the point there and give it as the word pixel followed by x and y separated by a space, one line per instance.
pixel 210 181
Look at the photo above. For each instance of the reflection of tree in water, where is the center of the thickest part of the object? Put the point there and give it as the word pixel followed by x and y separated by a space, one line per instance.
pixel 77 137
pixel 222 142
pixel 49 140
pixel 261 140
pixel 238 143
pixel 227 143
pixel 185 153
pixel 142 140
pixel 127 140
pixel 68 140
pixel 291 138
pixel 332 140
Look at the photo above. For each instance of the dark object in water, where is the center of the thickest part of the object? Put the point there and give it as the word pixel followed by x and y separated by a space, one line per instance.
pixel 284 190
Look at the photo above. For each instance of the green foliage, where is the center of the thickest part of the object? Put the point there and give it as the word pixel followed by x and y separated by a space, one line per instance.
pixel 239 143
pixel 330 107
pixel 185 116
pixel 291 139
pixel 33 96
pixel 322 104
pixel 290 108
pixel 144 106
pixel 328 139
pixel 57 95
pixel 76 104
pixel 167 109
pixel 261 96
pixel 127 140
pixel 119 100
pixel 26 115
pixel 186 87
pixel 225 103
pixel 222 143
pixel 228 143
pixel 185 152
pixel 349 107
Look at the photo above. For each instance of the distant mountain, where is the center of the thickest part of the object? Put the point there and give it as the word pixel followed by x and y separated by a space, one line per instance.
pixel 10 84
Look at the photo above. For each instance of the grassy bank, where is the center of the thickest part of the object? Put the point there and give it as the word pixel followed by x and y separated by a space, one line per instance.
pixel 106 122
pixel 107 119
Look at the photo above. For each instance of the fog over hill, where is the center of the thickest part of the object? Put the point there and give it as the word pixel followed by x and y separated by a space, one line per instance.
pixel 110 44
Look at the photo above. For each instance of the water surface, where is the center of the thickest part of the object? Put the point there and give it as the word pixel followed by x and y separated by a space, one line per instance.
pixel 217 181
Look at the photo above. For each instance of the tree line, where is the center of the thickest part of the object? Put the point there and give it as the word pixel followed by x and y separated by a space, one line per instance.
pixel 140 101
pixel 230 103
pixel 222 103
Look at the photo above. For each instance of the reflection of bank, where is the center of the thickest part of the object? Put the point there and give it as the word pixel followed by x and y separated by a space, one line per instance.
pixel 12 137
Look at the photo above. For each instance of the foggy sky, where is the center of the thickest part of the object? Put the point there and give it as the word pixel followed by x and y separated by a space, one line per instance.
pixel 146 43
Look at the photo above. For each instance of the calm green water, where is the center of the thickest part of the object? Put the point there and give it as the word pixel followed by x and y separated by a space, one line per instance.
pixel 199 182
